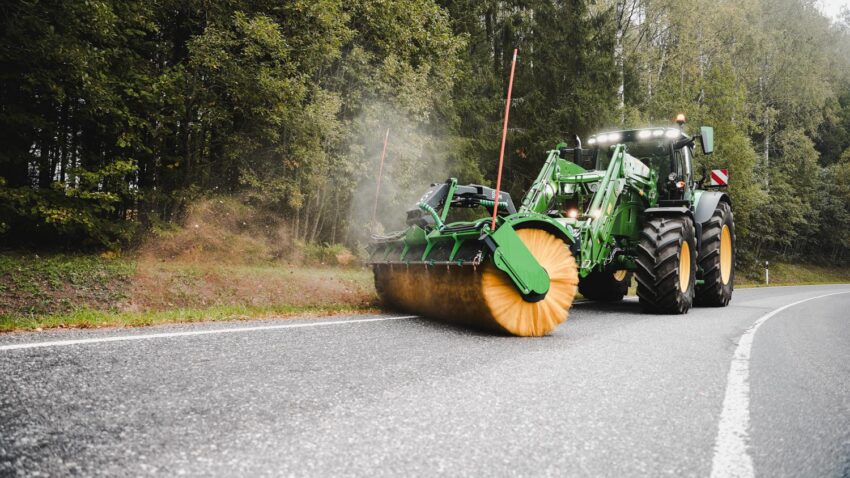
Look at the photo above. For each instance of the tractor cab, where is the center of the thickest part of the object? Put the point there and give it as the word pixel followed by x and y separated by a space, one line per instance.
pixel 666 150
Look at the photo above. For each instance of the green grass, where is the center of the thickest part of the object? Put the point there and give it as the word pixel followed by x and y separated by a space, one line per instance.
pixel 90 318
pixel 39 284
pixel 787 273
pixel 57 269
pixel 44 291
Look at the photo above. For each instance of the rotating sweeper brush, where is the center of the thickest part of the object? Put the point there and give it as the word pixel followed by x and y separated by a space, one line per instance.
pixel 483 296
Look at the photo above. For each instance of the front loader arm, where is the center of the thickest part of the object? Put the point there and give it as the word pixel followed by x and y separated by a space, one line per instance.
pixel 596 241
pixel 624 173
pixel 544 187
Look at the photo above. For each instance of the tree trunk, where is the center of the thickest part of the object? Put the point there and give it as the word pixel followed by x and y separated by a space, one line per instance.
pixel 336 217
pixel 766 150
pixel 44 163
pixel 297 223
pixel 306 219
pixel 320 221
pixel 619 58
pixel 648 83
pixel 702 64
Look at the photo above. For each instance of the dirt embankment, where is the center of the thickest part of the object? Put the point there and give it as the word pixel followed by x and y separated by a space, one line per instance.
pixel 224 254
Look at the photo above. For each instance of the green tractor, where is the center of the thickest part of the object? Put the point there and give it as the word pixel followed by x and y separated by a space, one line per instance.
pixel 627 206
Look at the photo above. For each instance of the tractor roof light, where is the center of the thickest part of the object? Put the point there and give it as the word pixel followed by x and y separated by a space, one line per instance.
pixel 602 138
pixel 592 140
pixel 657 133
pixel 672 133
pixel 644 134
pixel 614 137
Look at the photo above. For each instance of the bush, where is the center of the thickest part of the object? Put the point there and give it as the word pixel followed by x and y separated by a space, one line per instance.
pixel 222 229
pixel 51 217
pixel 327 254
pixel 232 231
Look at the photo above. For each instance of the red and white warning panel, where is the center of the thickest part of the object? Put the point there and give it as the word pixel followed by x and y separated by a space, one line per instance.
pixel 719 177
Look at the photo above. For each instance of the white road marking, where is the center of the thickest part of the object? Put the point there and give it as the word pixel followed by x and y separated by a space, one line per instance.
pixel 165 335
pixel 731 456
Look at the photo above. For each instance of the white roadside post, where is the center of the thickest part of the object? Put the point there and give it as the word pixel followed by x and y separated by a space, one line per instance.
pixel 766 273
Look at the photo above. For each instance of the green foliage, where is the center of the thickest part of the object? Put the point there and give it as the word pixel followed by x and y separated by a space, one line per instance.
pixel 118 115
pixel 83 213
pixel 771 77
pixel 34 284
pixel 326 254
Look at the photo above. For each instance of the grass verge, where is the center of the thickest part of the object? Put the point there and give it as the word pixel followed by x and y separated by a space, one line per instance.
pixel 787 273
pixel 38 292
pixel 90 318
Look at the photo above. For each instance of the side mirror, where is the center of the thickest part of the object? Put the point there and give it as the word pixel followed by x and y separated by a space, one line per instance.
pixel 706 139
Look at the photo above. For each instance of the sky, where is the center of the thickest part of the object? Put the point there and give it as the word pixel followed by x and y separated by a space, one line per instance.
pixel 832 8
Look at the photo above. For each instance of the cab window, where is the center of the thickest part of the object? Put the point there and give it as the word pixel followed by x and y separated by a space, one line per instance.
pixel 682 160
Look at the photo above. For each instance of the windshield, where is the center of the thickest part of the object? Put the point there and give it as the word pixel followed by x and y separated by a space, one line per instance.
pixel 653 153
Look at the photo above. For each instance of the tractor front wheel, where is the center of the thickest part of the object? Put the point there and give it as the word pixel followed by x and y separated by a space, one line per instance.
pixel 605 286
pixel 717 259
pixel 666 265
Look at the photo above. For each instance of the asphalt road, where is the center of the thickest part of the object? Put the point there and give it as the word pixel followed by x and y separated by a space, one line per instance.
pixel 612 392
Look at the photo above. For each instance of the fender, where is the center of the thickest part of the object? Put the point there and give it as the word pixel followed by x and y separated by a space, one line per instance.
pixel 539 221
pixel 511 256
pixel 668 211
pixel 706 204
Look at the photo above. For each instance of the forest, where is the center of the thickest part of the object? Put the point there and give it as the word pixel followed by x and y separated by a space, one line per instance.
pixel 117 115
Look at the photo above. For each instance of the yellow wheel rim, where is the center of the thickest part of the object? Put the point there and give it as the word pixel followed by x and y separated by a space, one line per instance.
pixel 685 267
pixel 725 254
pixel 620 274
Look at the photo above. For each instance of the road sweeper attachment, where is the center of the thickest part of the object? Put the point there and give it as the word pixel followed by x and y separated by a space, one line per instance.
pixel 519 278
pixel 635 210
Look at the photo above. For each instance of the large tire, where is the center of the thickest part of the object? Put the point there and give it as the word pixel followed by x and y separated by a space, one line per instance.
pixel 716 259
pixel 605 286
pixel 666 265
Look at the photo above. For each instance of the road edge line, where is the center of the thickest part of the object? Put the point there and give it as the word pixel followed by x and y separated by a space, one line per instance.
pixel 731 454
pixel 63 343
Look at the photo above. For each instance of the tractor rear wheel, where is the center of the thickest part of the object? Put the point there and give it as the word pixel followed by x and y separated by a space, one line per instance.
pixel 605 286
pixel 666 265
pixel 717 259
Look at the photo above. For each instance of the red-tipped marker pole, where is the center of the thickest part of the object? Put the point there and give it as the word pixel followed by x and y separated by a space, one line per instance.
pixel 504 138
pixel 380 173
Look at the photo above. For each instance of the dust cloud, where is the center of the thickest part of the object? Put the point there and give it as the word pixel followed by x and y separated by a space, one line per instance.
pixel 416 157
